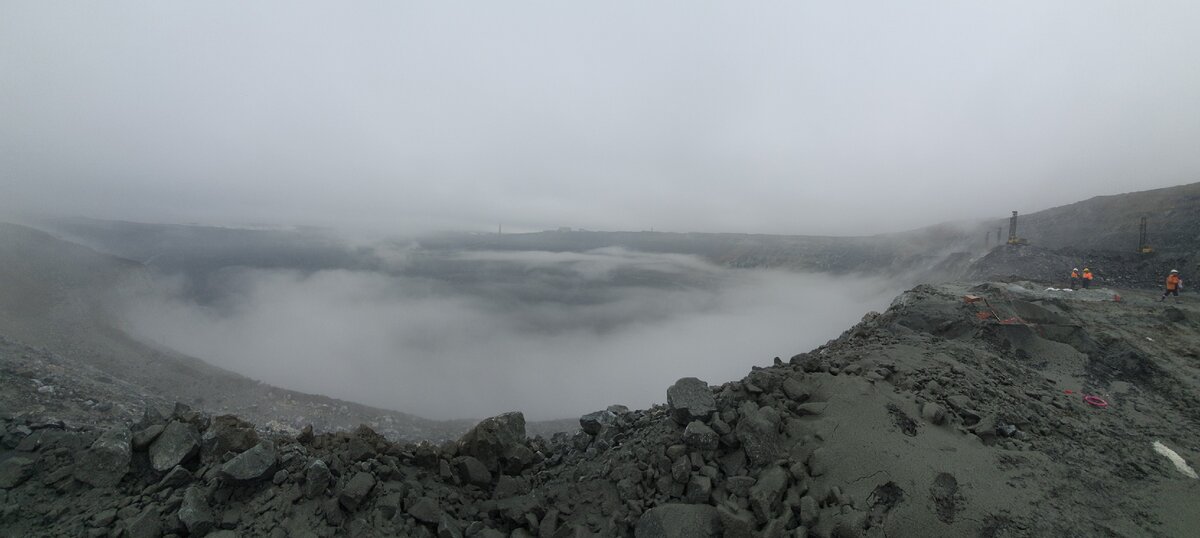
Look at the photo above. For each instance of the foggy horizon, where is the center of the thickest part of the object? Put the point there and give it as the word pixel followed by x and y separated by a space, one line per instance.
pixel 853 119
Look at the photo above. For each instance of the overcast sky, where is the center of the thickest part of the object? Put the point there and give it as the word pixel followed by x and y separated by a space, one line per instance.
pixel 790 117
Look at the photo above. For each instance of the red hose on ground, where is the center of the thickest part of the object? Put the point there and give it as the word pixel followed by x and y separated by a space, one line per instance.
pixel 1095 400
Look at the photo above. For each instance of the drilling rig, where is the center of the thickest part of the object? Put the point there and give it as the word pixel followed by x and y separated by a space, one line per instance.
pixel 1012 231
pixel 1143 242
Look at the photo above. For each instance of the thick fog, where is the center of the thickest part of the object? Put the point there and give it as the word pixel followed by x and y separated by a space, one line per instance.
pixel 551 334
pixel 777 117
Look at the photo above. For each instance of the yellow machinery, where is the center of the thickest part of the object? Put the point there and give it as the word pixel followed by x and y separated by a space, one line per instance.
pixel 1143 242
pixel 1012 231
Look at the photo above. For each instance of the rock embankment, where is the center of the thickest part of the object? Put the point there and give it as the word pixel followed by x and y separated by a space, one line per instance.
pixel 927 420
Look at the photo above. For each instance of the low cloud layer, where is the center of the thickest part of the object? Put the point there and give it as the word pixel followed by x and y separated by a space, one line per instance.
pixel 553 335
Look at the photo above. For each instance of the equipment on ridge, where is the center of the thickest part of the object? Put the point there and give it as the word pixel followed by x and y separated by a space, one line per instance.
pixel 1143 243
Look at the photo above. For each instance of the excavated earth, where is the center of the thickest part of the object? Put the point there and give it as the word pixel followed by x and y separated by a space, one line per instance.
pixel 938 417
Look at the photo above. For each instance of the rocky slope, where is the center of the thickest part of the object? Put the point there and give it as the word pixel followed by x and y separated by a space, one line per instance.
pixel 56 318
pixel 938 417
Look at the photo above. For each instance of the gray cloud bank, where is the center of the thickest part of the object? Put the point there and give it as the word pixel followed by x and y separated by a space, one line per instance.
pixel 789 117
pixel 552 334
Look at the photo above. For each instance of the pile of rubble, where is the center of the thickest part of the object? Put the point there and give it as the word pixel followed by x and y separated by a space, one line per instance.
pixel 923 420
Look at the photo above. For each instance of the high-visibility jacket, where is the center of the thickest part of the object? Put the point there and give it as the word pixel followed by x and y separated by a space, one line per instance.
pixel 1172 281
pixel 1087 275
pixel 1074 274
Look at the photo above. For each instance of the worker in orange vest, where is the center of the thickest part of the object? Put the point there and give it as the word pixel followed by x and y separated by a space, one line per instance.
pixel 1087 277
pixel 1174 284
pixel 1074 278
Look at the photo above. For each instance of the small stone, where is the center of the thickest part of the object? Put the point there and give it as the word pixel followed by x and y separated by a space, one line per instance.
pixel 934 413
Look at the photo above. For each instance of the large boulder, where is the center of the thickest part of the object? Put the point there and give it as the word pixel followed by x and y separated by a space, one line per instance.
pixel 316 479
pixel 14 471
pixel 194 512
pixel 690 399
pixel 679 521
pixel 592 423
pixel 472 471
pixel 758 432
pixel 498 442
pixel 178 442
pixel 227 434
pixel 356 490
pixel 767 492
pixel 106 462
pixel 251 465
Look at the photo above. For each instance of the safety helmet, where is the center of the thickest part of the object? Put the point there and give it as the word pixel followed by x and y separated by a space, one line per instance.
pixel 1174 270
pixel 1075 269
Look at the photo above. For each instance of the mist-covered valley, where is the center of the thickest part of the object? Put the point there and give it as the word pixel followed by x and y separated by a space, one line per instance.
pixel 457 334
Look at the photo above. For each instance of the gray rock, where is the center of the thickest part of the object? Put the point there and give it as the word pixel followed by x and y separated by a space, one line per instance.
pixel 254 464
pixel 195 513
pixel 14 471
pixel 766 494
pixel 426 510
pixel 759 436
pixel 818 462
pixel 142 438
pixel 496 441
pixel 177 444
pixel 106 462
pixel 227 433
pixel 679 521
pixel 510 486
pixel 177 477
pixel 356 490
pixel 699 488
pixel 811 409
pixel 316 479
pixel 145 525
pixel 592 423
pixel 699 436
pixel 690 399
pixel 104 518
pixel 808 510
pixel 794 389
pixel 934 413
pixel 736 523
pixel 472 471
pixel 987 428
pixel 739 485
